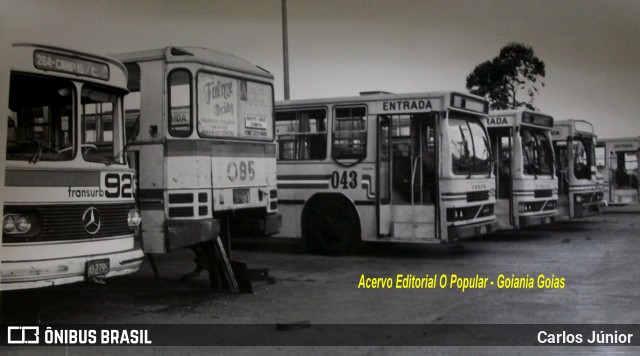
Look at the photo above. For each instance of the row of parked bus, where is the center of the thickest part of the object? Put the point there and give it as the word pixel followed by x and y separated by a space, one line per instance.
pixel 427 167
pixel 180 145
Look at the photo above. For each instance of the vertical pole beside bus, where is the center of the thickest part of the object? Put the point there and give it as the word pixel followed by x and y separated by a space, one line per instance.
pixel 285 49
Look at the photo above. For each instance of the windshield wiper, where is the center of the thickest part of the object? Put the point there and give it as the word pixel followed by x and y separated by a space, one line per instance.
pixel 38 154
pixel 134 128
pixel 466 149
pixel 487 145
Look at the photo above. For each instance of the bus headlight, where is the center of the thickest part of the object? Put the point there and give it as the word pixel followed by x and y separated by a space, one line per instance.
pixel 578 198
pixel 23 224
pixel 9 224
pixel 524 207
pixel 133 219
pixel 16 224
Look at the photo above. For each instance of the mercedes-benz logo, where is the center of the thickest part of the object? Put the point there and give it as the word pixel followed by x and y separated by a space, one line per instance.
pixel 91 220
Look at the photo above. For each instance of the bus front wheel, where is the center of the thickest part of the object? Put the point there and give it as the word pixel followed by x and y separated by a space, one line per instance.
pixel 330 225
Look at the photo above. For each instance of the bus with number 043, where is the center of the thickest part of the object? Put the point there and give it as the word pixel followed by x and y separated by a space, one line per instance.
pixel 200 135
pixel 412 168
pixel 580 191
pixel 69 209
pixel 526 185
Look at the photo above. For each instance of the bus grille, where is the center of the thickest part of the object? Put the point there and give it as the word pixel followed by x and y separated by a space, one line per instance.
pixel 542 193
pixel 537 205
pixel 181 212
pixel 183 198
pixel 469 212
pixel 64 222
pixel 477 196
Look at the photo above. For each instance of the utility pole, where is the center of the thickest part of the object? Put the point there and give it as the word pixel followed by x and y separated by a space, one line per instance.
pixel 285 49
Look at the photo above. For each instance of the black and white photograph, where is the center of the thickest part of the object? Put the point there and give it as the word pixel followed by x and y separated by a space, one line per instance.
pixel 363 177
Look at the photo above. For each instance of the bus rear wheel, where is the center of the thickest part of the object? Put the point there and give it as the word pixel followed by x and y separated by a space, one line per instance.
pixel 330 225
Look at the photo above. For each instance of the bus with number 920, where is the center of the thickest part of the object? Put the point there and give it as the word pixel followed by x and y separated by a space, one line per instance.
pixel 69 209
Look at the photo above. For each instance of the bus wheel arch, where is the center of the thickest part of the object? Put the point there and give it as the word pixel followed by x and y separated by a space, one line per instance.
pixel 330 224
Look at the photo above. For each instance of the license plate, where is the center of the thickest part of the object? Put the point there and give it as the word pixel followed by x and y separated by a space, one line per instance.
pixel 547 220
pixel 97 268
pixel 240 196
pixel 483 230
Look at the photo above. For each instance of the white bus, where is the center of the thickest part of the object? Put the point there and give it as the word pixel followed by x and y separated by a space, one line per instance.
pixel 69 209
pixel 201 136
pixel 526 185
pixel 579 188
pixel 384 167
pixel 617 160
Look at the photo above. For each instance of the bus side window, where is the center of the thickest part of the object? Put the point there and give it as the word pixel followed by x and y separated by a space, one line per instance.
pixel 349 133
pixel 179 82
pixel 302 135
pixel 601 153
pixel 132 103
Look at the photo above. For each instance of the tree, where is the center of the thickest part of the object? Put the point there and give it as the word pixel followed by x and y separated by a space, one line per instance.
pixel 504 79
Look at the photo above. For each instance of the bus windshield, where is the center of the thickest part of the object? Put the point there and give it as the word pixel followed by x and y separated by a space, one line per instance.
pixel 469 146
pixel 537 158
pixel 99 107
pixel 583 156
pixel 41 121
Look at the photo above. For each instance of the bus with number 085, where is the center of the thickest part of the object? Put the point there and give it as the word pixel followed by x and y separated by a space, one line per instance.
pixel 526 185
pixel 580 191
pixel 201 137
pixel 410 168
pixel 69 209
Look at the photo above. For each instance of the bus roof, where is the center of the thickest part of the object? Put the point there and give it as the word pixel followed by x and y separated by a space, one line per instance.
pixel 620 139
pixel 196 55
pixel 522 116
pixel 384 96
pixel 581 126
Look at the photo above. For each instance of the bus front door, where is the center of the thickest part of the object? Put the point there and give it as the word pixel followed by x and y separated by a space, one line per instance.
pixel 407 176
pixel 501 140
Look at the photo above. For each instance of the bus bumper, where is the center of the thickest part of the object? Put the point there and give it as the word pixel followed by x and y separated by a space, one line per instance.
pixel 467 231
pixel 536 220
pixel 589 209
pixel 184 233
pixel 38 274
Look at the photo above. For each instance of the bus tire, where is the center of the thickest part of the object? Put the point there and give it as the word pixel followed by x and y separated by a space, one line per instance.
pixel 330 225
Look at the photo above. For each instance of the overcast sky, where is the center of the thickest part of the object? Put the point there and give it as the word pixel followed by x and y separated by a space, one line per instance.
pixel 591 48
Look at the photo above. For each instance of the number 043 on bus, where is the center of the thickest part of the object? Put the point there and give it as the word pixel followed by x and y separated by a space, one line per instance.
pixel 384 167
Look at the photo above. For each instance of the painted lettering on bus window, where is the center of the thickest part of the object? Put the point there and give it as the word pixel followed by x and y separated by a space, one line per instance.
pixel 242 170
pixel 117 185
pixel 344 180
